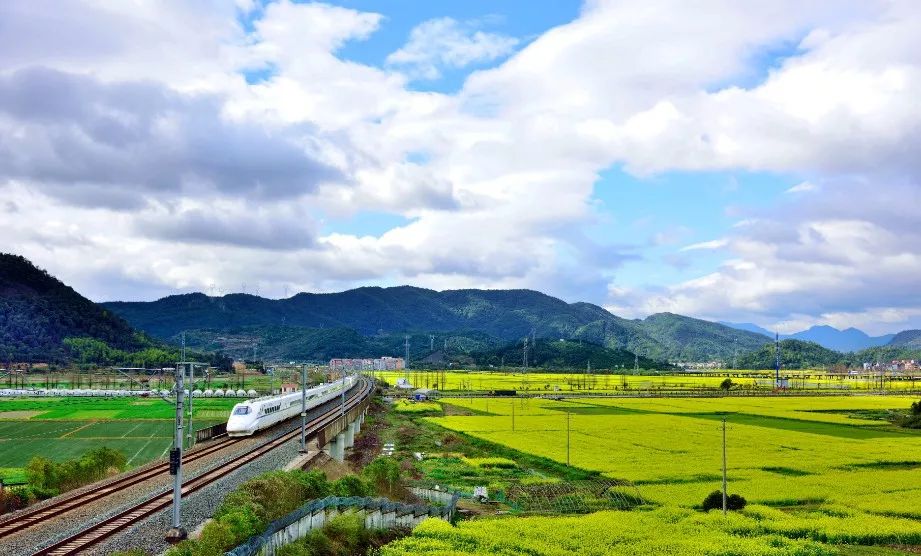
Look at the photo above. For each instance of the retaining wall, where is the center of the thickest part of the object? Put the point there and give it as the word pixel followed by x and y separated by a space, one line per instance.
pixel 378 513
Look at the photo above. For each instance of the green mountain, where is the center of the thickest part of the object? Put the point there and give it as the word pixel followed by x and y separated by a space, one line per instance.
pixel 37 313
pixel 436 350
pixel 906 339
pixel 504 315
pixel 689 339
pixel 795 354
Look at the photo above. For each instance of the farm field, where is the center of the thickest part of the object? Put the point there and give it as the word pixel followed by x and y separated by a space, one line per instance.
pixel 141 428
pixel 760 531
pixel 557 382
pixel 781 451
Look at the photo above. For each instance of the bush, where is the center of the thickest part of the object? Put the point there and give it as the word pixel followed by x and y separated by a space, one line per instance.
pixel 714 501
pixel 726 384
pixel 47 478
pixel 350 485
pixel 314 483
pixel 913 419
pixel 217 537
pixel 384 474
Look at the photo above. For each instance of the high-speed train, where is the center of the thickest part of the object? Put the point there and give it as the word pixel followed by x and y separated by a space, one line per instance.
pixel 261 413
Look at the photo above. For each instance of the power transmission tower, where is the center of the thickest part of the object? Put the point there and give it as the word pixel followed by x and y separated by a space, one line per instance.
pixel 431 342
pixel 524 361
pixel 406 360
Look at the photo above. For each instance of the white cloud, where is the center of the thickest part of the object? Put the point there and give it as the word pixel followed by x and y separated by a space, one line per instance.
pixel 496 182
pixel 707 245
pixel 802 187
pixel 447 43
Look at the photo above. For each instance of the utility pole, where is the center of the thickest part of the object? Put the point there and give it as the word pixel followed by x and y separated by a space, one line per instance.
pixel 342 403
pixel 191 396
pixel 724 466
pixel 304 409
pixel 177 533
pixel 776 360
pixel 513 415
pixel 567 437
pixel 636 363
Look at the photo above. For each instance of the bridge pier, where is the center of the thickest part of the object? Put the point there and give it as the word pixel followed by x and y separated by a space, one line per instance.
pixel 350 435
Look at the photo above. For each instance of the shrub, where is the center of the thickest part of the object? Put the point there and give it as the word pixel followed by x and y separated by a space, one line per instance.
pixel 216 538
pixel 714 501
pixel 350 485
pixel 314 483
pixel 347 533
pixel 46 477
pixel 726 384
pixel 383 473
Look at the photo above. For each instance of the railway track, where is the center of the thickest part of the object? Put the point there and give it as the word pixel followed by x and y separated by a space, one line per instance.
pixel 30 518
pixel 83 540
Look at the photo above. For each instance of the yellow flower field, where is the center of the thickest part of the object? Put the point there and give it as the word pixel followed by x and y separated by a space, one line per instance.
pixel 780 450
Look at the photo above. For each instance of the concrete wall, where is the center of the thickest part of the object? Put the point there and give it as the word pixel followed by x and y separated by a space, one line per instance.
pixel 374 519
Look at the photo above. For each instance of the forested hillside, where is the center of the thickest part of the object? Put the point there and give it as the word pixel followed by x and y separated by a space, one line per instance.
pixel 504 315
pixel 795 354
pixel 460 349
pixel 37 312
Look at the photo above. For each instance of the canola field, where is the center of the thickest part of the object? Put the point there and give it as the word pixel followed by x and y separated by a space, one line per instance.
pixel 579 382
pixel 759 531
pixel 780 451
pixel 821 475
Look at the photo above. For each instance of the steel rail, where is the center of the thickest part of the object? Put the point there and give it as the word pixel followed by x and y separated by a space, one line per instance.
pixel 29 518
pixel 82 540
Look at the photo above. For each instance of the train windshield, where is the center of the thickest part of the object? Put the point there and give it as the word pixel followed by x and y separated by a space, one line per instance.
pixel 242 410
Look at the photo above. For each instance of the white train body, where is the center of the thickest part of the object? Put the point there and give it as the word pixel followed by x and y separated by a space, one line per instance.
pixel 261 413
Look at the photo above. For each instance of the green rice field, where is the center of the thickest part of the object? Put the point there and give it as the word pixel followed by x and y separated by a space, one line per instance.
pixel 65 428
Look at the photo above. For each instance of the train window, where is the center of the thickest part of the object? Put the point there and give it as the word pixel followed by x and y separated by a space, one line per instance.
pixel 242 410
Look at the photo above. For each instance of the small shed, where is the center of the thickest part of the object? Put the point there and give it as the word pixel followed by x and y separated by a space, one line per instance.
pixel 422 394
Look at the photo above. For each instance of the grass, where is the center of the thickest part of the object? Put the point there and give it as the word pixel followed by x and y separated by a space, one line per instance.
pixel 111 408
pixel 66 428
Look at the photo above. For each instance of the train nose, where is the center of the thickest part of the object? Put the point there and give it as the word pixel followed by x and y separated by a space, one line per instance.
pixel 238 425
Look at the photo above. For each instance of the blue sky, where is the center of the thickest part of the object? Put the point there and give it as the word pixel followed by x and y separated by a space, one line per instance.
pixel 729 161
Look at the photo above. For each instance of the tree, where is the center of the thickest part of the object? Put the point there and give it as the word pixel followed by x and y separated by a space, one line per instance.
pixel 714 501
pixel 726 384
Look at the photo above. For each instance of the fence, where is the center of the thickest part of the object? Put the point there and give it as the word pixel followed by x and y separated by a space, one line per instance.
pixel 379 513
pixel 219 429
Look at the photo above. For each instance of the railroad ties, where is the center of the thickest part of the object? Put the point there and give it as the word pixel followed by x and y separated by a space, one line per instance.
pixel 29 519
pixel 95 534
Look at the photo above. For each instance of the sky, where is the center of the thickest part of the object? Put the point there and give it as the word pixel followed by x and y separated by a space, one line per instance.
pixel 734 161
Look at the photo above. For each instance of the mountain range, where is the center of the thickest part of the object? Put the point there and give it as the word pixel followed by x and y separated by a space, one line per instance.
pixel 847 340
pixel 507 315
pixel 43 319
